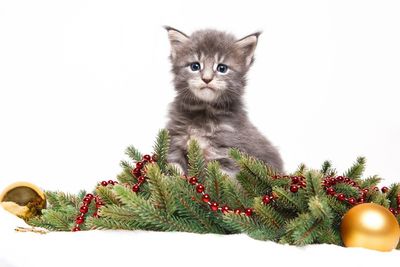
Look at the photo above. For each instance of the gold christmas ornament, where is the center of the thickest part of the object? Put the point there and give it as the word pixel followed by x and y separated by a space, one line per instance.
pixel 370 226
pixel 23 199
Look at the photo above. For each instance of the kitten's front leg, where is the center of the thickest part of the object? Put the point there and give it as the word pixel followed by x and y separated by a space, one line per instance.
pixel 176 155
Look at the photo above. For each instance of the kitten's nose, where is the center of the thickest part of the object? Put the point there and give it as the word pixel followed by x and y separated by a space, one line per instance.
pixel 206 80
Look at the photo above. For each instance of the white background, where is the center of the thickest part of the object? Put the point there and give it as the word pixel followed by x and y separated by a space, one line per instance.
pixel 81 80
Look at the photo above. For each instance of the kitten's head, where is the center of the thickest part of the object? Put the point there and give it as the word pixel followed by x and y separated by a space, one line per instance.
pixel 210 66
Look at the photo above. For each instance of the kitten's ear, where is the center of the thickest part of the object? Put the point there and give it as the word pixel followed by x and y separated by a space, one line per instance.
pixel 247 45
pixel 177 39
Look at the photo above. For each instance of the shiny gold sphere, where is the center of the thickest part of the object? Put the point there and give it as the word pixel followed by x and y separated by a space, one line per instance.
pixel 23 199
pixel 370 226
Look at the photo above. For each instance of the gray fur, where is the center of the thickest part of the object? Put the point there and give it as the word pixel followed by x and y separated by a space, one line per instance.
pixel 215 117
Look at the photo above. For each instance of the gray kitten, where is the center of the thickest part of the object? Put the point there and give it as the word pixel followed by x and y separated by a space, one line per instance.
pixel 210 70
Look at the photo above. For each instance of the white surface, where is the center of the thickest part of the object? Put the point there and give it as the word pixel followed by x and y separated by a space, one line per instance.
pixel 134 248
pixel 80 80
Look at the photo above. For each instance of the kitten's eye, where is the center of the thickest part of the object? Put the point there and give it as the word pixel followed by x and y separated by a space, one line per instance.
pixel 195 66
pixel 222 68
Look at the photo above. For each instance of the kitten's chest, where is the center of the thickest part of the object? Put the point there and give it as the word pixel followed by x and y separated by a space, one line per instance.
pixel 208 136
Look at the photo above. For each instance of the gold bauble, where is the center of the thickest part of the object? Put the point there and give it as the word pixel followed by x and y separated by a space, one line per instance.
pixel 23 199
pixel 370 226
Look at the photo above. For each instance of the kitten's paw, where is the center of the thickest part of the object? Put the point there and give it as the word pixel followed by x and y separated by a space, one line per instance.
pixel 176 168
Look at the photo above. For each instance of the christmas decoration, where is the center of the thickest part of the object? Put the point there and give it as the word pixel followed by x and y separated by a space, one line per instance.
pixel 370 226
pixel 23 199
pixel 305 207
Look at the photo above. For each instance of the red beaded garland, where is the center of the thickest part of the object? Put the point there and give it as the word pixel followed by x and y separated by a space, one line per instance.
pixel 266 200
pixel 79 220
pixel 214 206
pixel 206 198
pixel 294 188
pixel 248 211
pixel 225 209
pixel 200 188
pixel 135 188
pixel 193 180
pixel 297 182
pixel 84 209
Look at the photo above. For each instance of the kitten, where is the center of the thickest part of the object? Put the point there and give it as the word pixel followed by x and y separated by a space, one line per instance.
pixel 209 70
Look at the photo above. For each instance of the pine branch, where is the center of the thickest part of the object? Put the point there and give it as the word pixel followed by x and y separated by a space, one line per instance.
pixel 161 147
pixel 105 223
pixel 196 160
pixel 326 167
pixel 313 181
pixel 394 191
pixel 133 153
pixel 161 196
pixel 146 216
pixel 189 205
pixel 107 195
pixel 245 224
pixel 355 171
pixel 214 181
pixel 267 215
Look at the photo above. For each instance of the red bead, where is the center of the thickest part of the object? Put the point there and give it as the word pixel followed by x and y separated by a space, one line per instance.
pixel 346 180
pixel 96 215
pixel 352 200
pixel 214 206
pixel 200 188
pixel 385 189
pixel 225 209
pixel 89 196
pixel 87 200
pixel 303 184
pixel 339 179
pixel 391 210
pixel 294 188
pixel 266 200
pixel 248 211
pixel 237 211
pixel 154 157
pixel 111 182
pixel 76 229
pixel 375 188
pixel 99 204
pixel 365 191
pixel 341 197
pixel 84 209
pixel 135 188
pixel 79 220
pixel 206 198
pixel 139 165
pixel 330 191
pixel 141 179
pixel 147 157
pixel 193 180
pixel 361 200
pixel 136 172
pixel 295 179
pixel 104 183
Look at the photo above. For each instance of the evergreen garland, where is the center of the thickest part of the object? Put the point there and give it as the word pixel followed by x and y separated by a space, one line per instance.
pixel 165 202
